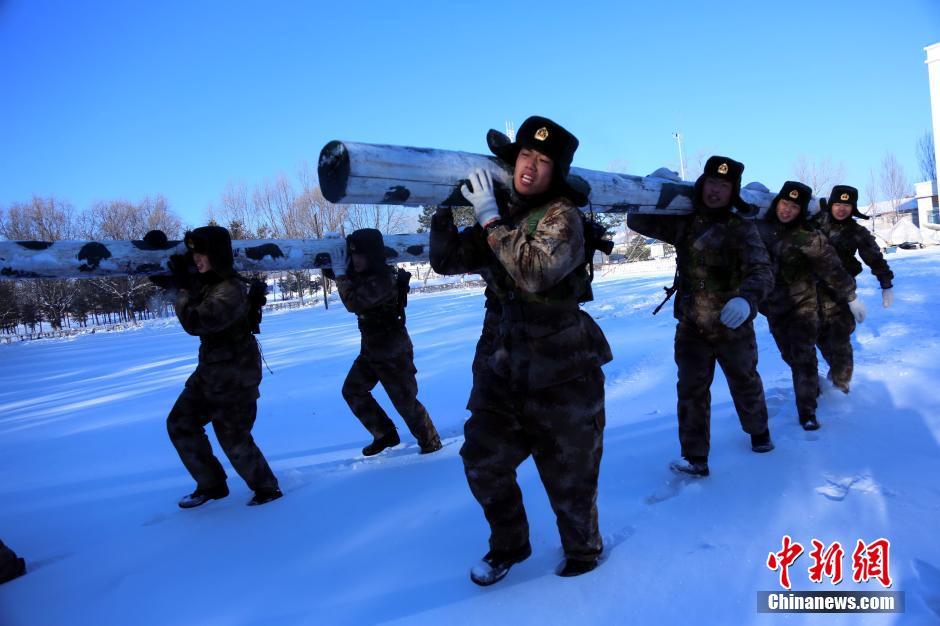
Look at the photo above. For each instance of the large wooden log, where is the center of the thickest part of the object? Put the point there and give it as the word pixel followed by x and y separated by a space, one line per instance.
pixel 362 173
pixel 89 259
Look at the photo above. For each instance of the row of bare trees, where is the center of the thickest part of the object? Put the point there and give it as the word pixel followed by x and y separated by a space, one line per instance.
pixel 59 304
pixel 275 208
pixel 280 208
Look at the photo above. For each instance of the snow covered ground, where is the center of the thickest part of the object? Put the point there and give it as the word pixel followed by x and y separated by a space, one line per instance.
pixel 89 481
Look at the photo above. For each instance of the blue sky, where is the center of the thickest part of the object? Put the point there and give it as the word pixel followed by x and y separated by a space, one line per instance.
pixel 124 99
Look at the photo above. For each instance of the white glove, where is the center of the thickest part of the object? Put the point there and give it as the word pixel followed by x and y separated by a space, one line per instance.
pixel 887 297
pixel 735 313
pixel 481 197
pixel 857 307
pixel 338 258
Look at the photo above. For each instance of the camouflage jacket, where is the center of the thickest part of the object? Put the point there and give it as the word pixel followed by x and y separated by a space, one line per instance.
pixel 374 298
pixel 716 260
pixel 534 335
pixel 801 256
pixel 229 359
pixel 848 237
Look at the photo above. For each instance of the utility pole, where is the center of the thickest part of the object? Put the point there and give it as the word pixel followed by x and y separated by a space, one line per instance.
pixel 678 136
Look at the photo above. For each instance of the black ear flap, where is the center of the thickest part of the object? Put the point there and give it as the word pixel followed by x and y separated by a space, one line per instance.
pixel 823 205
pixel 496 140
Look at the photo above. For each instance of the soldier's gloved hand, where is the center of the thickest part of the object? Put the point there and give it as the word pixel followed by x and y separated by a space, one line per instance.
pixel 857 307
pixel 180 269
pixel 338 258
pixel 735 312
pixel 887 297
pixel 481 196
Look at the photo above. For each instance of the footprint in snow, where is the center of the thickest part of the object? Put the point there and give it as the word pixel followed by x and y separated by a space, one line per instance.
pixel 928 585
pixel 838 488
pixel 672 487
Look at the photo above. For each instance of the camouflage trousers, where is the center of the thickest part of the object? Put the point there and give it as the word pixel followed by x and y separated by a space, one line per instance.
pixel 562 427
pixel 397 376
pixel 836 325
pixel 11 565
pixel 795 333
pixel 696 353
pixel 232 422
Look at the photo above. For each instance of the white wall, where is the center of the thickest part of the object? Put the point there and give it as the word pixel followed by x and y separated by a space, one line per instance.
pixel 933 71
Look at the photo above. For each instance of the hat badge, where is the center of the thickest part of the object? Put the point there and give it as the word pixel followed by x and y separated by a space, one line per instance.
pixel 844 196
pixel 723 168
pixel 794 194
pixel 541 134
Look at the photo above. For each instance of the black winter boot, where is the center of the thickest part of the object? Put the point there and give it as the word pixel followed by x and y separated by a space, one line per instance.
pixel 576 567
pixel 201 496
pixel 434 446
pixel 693 466
pixel 762 442
pixel 263 496
pixel 495 565
pixel 809 423
pixel 387 440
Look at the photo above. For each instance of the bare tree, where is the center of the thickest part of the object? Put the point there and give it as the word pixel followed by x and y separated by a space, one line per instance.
pixel 53 298
pixel 894 184
pixel 235 206
pixel 927 157
pixel 388 219
pixel 41 219
pixel 821 176
pixel 872 191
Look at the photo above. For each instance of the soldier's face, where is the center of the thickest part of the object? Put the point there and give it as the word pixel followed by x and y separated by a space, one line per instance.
pixel 202 262
pixel 716 192
pixel 841 210
pixel 533 173
pixel 360 262
pixel 787 211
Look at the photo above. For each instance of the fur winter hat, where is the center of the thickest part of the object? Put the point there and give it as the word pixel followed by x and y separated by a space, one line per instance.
pixel 723 168
pixel 368 242
pixel 793 191
pixel 552 140
pixel 845 195
pixel 215 242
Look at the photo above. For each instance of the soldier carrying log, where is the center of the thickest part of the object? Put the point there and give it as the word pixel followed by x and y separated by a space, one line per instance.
pixel 213 303
pixel 800 255
pixel 837 320
pixel 722 274
pixel 538 387
pixel 377 293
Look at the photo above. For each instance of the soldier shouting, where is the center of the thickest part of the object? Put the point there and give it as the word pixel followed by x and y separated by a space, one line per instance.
pixel 538 387
pixel 722 273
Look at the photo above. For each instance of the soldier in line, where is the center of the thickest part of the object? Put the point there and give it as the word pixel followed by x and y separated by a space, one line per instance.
pixel 800 255
pixel 722 274
pixel 837 321
pixel 377 294
pixel 213 303
pixel 538 387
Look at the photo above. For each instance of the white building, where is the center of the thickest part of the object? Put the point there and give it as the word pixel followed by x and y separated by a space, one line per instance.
pixel 933 74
